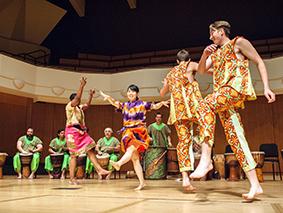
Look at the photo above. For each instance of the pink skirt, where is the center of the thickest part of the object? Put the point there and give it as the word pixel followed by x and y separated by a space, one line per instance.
pixel 78 141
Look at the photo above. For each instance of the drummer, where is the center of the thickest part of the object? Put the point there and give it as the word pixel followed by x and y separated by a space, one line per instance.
pixel 108 145
pixel 58 145
pixel 26 144
pixel 159 132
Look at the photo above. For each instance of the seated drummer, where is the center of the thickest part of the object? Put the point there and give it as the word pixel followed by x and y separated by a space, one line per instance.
pixel 28 144
pixel 108 144
pixel 56 146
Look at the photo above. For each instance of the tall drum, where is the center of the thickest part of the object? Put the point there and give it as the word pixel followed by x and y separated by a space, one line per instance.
pixel 57 161
pixel 172 161
pixel 2 162
pixel 219 164
pixel 81 162
pixel 259 159
pixel 103 160
pixel 25 161
pixel 155 163
pixel 233 165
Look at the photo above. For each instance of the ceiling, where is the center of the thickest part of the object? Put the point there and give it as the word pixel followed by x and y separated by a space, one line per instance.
pixel 111 27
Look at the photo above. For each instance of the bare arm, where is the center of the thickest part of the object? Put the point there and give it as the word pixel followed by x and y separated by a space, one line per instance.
pixel 111 100
pixel 19 147
pixel 169 141
pixel 165 89
pixel 205 62
pixel 76 101
pixel 39 148
pixel 88 103
pixel 159 105
pixel 247 49
pixel 51 151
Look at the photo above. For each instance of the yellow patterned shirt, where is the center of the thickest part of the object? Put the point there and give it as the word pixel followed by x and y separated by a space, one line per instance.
pixel 75 115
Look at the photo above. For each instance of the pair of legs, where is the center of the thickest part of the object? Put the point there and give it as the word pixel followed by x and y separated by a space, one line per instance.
pixel 131 154
pixel 33 166
pixel 49 167
pixel 92 157
pixel 224 101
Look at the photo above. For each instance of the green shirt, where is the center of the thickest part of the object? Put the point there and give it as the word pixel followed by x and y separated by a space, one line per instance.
pixel 103 143
pixel 159 134
pixel 58 146
pixel 29 144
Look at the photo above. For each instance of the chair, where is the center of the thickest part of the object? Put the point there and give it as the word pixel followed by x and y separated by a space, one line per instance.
pixel 271 155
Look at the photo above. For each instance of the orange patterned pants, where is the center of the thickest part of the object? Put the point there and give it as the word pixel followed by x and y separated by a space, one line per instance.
pixel 224 102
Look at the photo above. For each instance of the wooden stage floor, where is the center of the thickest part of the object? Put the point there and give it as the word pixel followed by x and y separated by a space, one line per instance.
pixel 43 195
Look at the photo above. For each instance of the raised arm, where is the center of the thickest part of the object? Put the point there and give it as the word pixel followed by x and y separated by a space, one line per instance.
pixel 247 49
pixel 88 103
pixel 111 100
pixel 165 89
pixel 76 101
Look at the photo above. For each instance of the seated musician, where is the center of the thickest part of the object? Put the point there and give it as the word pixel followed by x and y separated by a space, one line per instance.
pixel 28 144
pixel 108 144
pixel 56 146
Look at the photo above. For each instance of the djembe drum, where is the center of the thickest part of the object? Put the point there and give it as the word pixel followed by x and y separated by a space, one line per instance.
pixel 81 162
pixel 259 159
pixel 2 162
pixel 219 164
pixel 172 161
pixel 57 161
pixel 233 165
pixel 155 163
pixel 103 160
pixel 26 159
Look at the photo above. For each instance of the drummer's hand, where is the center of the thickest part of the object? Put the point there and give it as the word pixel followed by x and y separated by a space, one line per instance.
pixel 25 152
pixel 31 151
pixel 99 152
pixel 170 144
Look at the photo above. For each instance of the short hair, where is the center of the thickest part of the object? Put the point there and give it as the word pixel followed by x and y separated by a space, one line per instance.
pixel 158 113
pixel 183 55
pixel 109 129
pixel 59 131
pixel 72 96
pixel 134 88
pixel 221 25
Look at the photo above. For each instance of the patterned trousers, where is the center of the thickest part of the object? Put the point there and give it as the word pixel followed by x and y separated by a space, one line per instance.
pixel 224 102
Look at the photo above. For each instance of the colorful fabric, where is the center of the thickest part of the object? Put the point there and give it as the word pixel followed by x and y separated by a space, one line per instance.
pixel 33 165
pixel 225 101
pixel 134 112
pixel 78 141
pixel 231 71
pixel 159 134
pixel 185 145
pixel 187 103
pixel 29 144
pixel 74 115
pixel 48 164
pixel 137 136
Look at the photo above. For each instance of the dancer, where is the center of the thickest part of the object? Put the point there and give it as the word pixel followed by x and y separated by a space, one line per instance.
pixel 187 107
pixel 135 138
pixel 229 61
pixel 78 140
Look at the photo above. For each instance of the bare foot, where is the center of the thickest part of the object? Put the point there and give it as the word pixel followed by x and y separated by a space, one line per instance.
pixel 20 176
pixel 99 176
pixel 140 187
pixel 63 177
pixel 252 193
pixel 103 172
pixel 189 188
pixel 31 176
pixel 74 182
pixel 50 176
pixel 201 170
pixel 115 165
pixel 108 176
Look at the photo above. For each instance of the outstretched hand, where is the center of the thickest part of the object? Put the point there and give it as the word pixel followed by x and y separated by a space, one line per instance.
pixel 105 97
pixel 83 81
pixel 91 92
pixel 269 95
pixel 166 103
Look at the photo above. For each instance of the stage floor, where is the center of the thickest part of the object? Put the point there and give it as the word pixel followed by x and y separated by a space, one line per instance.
pixel 43 195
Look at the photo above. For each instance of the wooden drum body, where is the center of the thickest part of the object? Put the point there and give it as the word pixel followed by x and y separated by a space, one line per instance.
pixel 81 162
pixel 57 161
pixel 103 160
pixel 219 164
pixel 233 165
pixel 25 161
pixel 172 161
pixel 259 159
pixel 2 162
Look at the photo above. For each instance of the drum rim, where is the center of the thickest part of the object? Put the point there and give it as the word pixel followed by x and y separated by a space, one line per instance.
pixel 58 154
pixel 106 155
pixel 26 154
pixel 258 152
